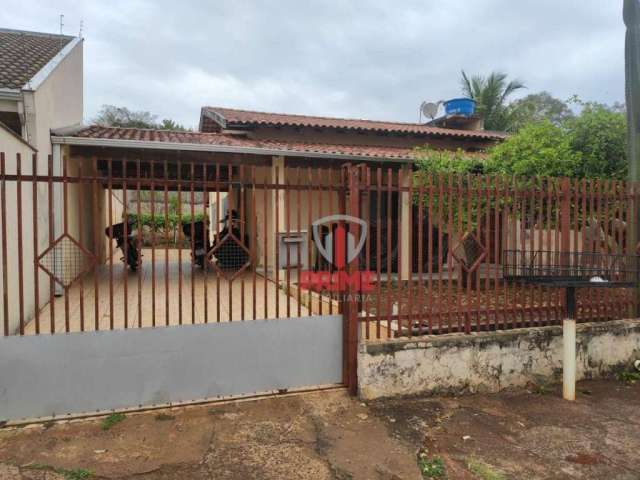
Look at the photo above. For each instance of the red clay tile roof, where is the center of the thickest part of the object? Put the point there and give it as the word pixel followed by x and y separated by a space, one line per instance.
pixel 232 117
pixel 23 54
pixel 226 140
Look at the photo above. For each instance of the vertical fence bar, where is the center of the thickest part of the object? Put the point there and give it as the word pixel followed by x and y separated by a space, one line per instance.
pixel 97 233
pixel 265 243
pixel 192 238
pixel 287 209
pixel 420 256
pixel 331 210
pixel 5 285
pixel 139 246
pixel 166 242
pixel 378 250
pixel 20 246
pixel 217 240
pixel 409 206
pixel 65 203
pixel 180 237
pixel 254 244
pixel 399 233
pixel 125 250
pixel 242 214
pixel 80 190
pixel 152 186
pixel 299 231
pixel 320 190
pixel 497 237
pixel 52 287
pixel 230 206
pixel 110 205
pixel 430 272
pixel 276 243
pixel 36 280
pixel 205 241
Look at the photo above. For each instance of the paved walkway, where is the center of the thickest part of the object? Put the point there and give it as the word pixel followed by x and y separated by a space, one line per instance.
pixel 192 298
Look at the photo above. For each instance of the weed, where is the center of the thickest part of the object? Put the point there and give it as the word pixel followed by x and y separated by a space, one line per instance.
pixel 112 420
pixel 77 474
pixel 74 474
pixel 431 468
pixel 629 377
pixel 164 417
pixel 484 471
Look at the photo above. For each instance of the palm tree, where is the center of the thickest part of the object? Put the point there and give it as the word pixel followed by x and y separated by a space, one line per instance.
pixel 491 94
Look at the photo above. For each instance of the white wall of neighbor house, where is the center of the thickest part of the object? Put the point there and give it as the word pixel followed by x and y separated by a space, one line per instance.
pixel 11 146
pixel 57 102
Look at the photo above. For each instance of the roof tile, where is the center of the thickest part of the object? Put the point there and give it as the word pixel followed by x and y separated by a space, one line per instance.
pixel 166 136
pixel 236 118
pixel 23 54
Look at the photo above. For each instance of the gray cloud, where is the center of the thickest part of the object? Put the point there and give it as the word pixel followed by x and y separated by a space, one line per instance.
pixel 369 59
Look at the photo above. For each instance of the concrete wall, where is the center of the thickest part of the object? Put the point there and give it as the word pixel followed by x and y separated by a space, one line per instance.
pixel 489 362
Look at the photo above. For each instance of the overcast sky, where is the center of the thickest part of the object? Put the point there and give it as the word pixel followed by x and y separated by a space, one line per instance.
pixel 376 59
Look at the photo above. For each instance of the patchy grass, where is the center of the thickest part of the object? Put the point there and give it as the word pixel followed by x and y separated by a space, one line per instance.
pixel 112 420
pixel 431 467
pixel 74 474
pixel 484 470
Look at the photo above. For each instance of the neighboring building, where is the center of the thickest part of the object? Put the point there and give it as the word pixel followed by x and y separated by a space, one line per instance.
pixel 41 88
pixel 41 85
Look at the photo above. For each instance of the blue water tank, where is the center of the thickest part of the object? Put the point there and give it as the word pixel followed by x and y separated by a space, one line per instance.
pixel 460 106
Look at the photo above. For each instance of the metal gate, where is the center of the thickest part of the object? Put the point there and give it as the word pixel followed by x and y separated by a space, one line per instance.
pixel 130 283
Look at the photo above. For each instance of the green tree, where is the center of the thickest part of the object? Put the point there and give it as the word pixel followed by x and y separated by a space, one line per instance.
pixel 538 107
pixel 112 116
pixel 538 149
pixel 599 133
pixel 491 94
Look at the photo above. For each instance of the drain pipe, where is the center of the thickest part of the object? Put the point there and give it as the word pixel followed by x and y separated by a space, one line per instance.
pixel 569 347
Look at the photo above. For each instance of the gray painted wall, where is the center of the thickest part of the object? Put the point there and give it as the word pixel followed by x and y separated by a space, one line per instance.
pixel 49 375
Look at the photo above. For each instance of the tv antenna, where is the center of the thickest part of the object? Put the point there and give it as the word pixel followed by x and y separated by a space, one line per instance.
pixel 61 22
pixel 81 27
pixel 429 110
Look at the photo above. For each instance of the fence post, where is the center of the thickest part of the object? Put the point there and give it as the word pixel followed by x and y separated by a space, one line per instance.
pixel 348 301
pixel 634 236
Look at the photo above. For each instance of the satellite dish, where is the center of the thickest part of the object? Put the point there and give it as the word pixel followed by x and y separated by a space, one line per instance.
pixel 429 109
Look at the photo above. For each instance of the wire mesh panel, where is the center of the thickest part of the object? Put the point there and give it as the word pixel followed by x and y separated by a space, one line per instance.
pixel 571 268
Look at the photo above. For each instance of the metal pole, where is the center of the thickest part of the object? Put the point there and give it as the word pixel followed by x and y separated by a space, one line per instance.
pixel 569 347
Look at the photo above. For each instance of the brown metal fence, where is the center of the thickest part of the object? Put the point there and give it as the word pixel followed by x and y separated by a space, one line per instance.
pixel 96 261
pixel 434 245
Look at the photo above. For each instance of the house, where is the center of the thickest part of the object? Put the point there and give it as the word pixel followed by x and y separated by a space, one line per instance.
pixel 41 88
pixel 41 84
pixel 275 148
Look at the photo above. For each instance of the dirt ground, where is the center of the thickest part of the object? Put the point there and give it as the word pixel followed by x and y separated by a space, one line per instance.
pixel 327 435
